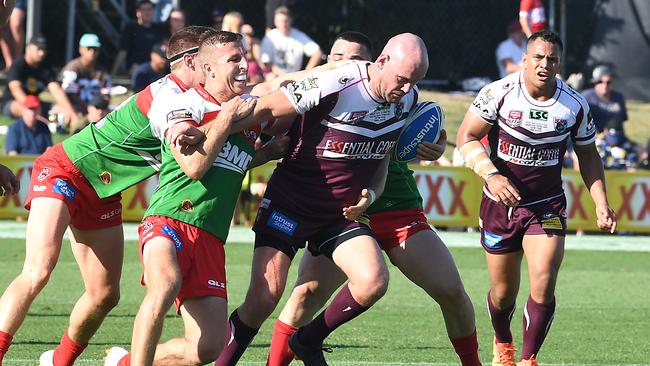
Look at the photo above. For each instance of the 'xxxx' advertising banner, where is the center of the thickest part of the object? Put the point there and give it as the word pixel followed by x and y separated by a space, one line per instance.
pixel 451 196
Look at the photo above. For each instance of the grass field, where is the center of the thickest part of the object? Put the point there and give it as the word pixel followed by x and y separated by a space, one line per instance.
pixel 603 312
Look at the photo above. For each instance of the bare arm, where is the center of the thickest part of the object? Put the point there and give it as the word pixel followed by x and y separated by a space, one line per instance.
pixel 62 99
pixel 195 160
pixel 510 65
pixel 273 150
pixel 314 60
pixel 471 131
pixel 274 105
pixel 525 27
pixel 593 175
pixel 16 89
pixel 370 194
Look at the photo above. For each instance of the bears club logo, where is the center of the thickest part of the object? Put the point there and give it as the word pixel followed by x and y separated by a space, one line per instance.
pixel 45 172
pixel 187 206
pixel 105 177
pixel 514 118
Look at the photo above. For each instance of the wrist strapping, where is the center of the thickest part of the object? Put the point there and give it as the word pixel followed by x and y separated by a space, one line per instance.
pixel 477 159
pixel 372 196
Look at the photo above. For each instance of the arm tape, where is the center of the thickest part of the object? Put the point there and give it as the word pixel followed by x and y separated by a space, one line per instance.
pixel 477 159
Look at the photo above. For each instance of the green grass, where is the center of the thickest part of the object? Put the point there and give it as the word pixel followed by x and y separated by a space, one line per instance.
pixel 603 307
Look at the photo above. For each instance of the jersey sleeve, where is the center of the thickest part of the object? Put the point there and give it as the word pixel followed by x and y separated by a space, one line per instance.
pixel 164 112
pixel 305 94
pixel 584 131
pixel 486 104
pixel 525 6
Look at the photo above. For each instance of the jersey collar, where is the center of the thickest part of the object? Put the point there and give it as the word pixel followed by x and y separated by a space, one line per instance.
pixel 179 82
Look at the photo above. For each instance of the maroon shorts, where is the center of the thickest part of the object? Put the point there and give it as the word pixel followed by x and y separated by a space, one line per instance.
pixel 503 228
pixel 281 228
pixel 55 176
pixel 201 256
pixel 391 228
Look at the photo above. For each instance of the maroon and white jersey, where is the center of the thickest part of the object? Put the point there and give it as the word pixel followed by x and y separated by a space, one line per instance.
pixel 528 138
pixel 338 140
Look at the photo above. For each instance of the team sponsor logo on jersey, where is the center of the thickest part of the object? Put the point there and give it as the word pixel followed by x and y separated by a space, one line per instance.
pixel 63 188
pixel 486 97
pixel 538 115
pixel 357 115
pixel 514 118
pixel 265 203
pixel 216 284
pixel 528 155
pixel 110 214
pixel 346 79
pixel 171 233
pixel 560 124
pixel 551 221
pixel 232 158
pixel 309 83
pixel 357 150
pixel 179 115
pixel 282 223
pixel 492 241
pixel 45 172
pixel 187 206
pixel 145 227
pixel 105 177
pixel 39 188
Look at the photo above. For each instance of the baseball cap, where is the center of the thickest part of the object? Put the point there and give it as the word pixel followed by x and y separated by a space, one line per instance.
pixel 89 40
pixel 31 102
pixel 160 49
pixel 39 41
pixel 599 72
pixel 99 101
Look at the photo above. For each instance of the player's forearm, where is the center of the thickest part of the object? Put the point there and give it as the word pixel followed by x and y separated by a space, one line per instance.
pixel 16 89
pixel 60 97
pixel 378 182
pixel 592 172
pixel 195 161
pixel 274 105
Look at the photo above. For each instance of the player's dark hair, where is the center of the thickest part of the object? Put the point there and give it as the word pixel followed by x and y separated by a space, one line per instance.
pixel 215 37
pixel 356 37
pixel 185 39
pixel 546 36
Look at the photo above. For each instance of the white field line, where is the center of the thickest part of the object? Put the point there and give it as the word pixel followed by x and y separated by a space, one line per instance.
pixel 454 239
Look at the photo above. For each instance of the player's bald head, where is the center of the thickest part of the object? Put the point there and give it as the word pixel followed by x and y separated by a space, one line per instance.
pixel 408 50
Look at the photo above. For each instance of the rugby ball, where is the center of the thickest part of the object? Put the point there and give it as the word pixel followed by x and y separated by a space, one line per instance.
pixel 424 123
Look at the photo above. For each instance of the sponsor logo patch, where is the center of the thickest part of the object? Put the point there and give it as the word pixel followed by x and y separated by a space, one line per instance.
pixel 514 118
pixel 179 115
pixel 187 206
pixel 111 213
pixel 538 115
pixel 45 172
pixel 346 79
pixel 282 223
pixel 63 188
pixel 309 83
pixel 492 241
pixel 105 177
pixel 216 284
pixel 171 233
pixel 551 222
pixel 560 125
pixel 39 188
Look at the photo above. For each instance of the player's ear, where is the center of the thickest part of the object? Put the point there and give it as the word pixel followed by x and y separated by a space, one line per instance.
pixel 382 60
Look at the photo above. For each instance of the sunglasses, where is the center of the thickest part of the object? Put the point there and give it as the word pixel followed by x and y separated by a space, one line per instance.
pixel 605 82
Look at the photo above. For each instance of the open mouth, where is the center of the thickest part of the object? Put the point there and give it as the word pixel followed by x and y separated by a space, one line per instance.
pixel 241 78
pixel 543 75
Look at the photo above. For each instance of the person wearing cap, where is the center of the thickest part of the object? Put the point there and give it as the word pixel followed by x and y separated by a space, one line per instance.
pixel 96 109
pixel 27 135
pixel 138 38
pixel 607 105
pixel 156 68
pixel 83 78
pixel 30 75
pixel 509 52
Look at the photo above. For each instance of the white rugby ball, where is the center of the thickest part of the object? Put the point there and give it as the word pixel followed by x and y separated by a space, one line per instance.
pixel 424 123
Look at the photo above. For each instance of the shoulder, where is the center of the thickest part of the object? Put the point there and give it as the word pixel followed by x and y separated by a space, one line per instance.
pixel 573 94
pixel 73 65
pixel 298 34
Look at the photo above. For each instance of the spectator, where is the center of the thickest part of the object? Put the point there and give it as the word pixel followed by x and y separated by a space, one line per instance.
pixel 29 76
pixel 138 38
pixel 283 47
pixel 510 51
pixel 616 151
pixel 607 105
pixel 96 109
pixel 253 52
pixel 232 21
pixel 156 68
pixel 27 135
pixel 532 16
pixel 175 22
pixel 83 78
pixel 217 18
pixel 12 38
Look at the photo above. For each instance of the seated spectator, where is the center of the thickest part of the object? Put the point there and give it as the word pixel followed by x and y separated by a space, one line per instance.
pixel 83 78
pixel 283 48
pixel 97 108
pixel 27 135
pixel 175 22
pixel 606 104
pixel 616 151
pixel 510 52
pixel 232 22
pixel 29 76
pixel 12 37
pixel 138 38
pixel 253 53
pixel 156 68
pixel 217 18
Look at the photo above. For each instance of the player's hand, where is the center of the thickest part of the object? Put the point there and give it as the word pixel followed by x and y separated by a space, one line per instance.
pixel 606 218
pixel 184 133
pixel 353 212
pixel 238 107
pixel 503 190
pixel 429 151
pixel 9 184
pixel 276 148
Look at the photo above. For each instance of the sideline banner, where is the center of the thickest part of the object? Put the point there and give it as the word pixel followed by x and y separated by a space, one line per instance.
pixel 451 195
